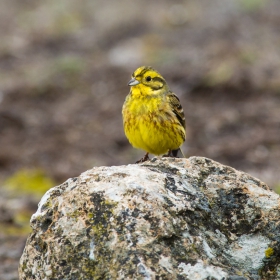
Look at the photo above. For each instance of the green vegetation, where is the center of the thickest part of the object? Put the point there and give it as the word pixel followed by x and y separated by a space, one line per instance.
pixel 277 188
pixel 29 181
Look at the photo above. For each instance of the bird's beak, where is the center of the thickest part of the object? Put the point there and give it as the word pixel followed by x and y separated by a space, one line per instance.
pixel 133 82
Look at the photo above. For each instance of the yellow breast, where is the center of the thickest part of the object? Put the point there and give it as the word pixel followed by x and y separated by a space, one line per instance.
pixel 150 124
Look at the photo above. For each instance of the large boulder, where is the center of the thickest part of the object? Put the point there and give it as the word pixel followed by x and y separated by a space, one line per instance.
pixel 164 219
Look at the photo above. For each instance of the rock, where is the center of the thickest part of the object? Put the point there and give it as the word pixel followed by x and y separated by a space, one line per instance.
pixel 164 219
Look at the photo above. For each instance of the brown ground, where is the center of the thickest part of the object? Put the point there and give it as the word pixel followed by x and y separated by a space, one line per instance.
pixel 64 66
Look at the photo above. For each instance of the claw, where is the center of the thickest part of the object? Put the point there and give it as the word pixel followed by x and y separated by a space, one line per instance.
pixel 145 158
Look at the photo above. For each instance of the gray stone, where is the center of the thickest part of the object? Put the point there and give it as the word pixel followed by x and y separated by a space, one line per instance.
pixel 164 219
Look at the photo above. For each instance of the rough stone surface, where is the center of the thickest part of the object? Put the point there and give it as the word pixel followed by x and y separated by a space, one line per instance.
pixel 165 219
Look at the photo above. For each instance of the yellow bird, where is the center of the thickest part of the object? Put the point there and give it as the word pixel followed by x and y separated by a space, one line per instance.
pixel 153 117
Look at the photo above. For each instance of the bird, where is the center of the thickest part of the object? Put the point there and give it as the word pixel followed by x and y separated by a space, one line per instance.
pixel 153 117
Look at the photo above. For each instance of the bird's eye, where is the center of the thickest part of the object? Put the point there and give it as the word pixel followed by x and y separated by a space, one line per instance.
pixel 148 79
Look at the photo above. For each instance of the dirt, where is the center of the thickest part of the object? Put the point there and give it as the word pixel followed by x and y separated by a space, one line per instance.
pixel 64 68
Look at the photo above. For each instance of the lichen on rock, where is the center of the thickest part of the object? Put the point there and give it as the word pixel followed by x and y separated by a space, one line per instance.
pixel 164 219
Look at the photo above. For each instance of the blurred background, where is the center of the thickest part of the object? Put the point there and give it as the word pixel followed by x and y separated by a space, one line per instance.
pixel 64 68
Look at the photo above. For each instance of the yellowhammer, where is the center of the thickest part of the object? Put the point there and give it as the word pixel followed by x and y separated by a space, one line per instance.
pixel 153 117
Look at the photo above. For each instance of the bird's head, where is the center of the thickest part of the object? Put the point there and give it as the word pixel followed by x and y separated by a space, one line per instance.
pixel 147 79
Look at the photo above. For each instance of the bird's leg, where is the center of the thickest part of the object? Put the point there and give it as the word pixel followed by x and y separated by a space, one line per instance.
pixel 144 158
pixel 169 154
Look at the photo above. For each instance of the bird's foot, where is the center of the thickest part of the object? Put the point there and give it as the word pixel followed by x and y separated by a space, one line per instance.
pixel 169 154
pixel 144 158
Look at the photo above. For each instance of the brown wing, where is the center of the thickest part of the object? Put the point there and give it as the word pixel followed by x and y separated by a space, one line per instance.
pixel 176 107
